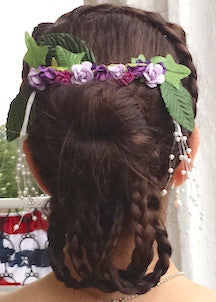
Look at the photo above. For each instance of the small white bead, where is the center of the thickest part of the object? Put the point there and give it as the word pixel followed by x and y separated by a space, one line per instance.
pixel 170 170
pixel 188 160
pixel 171 156
pixel 177 203
pixel 188 150
pixel 177 139
pixel 16 227
pixel 44 216
pixel 184 138
pixel 181 157
pixel 164 192
pixel 183 172
pixel 34 218
pixel 185 157
pixel 177 191
pixel 175 134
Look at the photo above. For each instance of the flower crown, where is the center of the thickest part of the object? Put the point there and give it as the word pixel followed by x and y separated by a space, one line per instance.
pixel 62 58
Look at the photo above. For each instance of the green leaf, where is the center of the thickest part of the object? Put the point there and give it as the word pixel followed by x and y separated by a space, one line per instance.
pixel 67 41
pixel 175 72
pixel 17 112
pixel 66 58
pixel 179 104
pixel 140 57
pixel 36 55
pixel 158 59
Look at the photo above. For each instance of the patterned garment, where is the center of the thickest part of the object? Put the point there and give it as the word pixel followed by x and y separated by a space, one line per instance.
pixel 23 254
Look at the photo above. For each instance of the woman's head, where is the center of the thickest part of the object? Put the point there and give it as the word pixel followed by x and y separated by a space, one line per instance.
pixel 102 150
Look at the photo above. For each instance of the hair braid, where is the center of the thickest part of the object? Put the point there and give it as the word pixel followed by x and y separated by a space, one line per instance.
pixel 57 241
pixel 144 232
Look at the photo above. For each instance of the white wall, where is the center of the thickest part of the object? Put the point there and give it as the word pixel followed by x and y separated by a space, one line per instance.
pixel 16 17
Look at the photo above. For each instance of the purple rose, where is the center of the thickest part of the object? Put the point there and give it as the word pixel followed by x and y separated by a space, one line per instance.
pixel 127 78
pixel 154 74
pixel 117 71
pixel 35 80
pixel 82 73
pixel 137 71
pixel 63 76
pixel 102 73
pixel 48 74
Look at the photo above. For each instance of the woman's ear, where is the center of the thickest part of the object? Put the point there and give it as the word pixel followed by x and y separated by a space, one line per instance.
pixel 33 167
pixel 193 143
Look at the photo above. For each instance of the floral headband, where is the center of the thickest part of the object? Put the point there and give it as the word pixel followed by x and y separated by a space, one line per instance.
pixel 62 58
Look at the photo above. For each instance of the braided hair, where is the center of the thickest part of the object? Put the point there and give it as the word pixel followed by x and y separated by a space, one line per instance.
pixel 102 151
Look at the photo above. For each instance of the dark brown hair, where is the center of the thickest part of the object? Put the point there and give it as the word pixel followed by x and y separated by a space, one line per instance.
pixel 102 150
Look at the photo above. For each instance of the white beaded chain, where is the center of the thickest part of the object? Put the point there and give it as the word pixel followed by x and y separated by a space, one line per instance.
pixel 184 155
pixel 23 174
pixel 159 283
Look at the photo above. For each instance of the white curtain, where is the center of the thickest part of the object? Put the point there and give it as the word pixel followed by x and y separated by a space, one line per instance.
pixel 192 228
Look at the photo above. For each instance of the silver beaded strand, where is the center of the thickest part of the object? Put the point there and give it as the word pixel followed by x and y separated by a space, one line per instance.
pixel 159 283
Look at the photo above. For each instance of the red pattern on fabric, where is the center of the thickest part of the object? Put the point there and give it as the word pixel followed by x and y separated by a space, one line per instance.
pixel 4 282
pixel 39 224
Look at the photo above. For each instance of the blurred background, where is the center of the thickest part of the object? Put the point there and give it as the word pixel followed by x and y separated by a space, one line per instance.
pixel 191 228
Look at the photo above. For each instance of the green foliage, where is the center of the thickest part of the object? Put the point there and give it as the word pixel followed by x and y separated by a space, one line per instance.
pixel 140 57
pixel 66 58
pixel 158 59
pixel 17 112
pixel 71 43
pixel 8 160
pixel 179 104
pixel 36 55
pixel 8 187
pixel 175 72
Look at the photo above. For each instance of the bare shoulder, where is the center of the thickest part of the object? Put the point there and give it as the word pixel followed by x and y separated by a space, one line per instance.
pixel 199 293
pixel 205 294
pixel 181 290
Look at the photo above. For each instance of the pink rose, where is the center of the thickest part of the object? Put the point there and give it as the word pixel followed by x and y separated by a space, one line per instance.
pixel 63 76
pixel 126 79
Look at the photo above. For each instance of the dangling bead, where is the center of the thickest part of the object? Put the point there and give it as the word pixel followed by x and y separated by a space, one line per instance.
pixel 171 156
pixel 170 170
pixel 188 160
pixel 177 203
pixel 163 192
pixel 34 217
pixel 15 227
pixel 181 157
pixel 183 172
pixel 188 150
